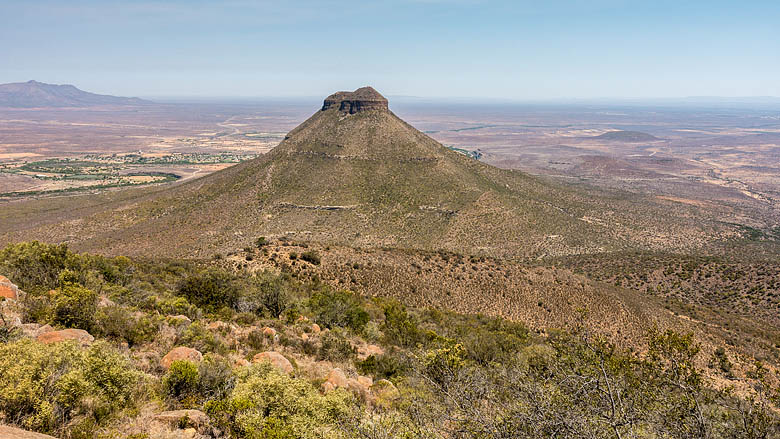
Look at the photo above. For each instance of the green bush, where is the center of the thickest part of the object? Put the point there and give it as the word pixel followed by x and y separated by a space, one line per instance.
pixel 118 322
pixel 45 387
pixel 182 382
pixel 385 366
pixel 198 337
pixel 338 308
pixel 311 256
pixel 268 404
pixel 34 266
pixel 266 293
pixel 75 306
pixel 400 328
pixel 211 290
pixel 335 347
pixel 216 377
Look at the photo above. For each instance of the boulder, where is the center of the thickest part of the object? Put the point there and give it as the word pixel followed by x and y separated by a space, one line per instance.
pixel 269 332
pixel 365 381
pixel 369 350
pixel 8 432
pixel 105 302
pixel 7 289
pixel 336 379
pixel 315 328
pixel 181 353
pixel 276 359
pixel 218 326
pixel 384 392
pixel 79 335
pixel 194 419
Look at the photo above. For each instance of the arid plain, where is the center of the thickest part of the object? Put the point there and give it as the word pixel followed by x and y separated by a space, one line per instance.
pixel 684 153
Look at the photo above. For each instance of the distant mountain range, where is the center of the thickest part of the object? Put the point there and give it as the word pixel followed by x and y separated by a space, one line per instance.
pixel 32 94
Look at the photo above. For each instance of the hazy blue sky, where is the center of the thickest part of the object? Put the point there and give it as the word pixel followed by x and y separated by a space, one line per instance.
pixel 468 48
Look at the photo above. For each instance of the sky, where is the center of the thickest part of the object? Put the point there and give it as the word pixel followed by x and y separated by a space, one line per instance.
pixel 513 50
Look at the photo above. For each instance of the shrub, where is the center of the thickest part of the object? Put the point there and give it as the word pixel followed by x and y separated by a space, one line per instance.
pixel 45 387
pixel 261 242
pixel 75 306
pixel 216 377
pixel 383 366
pixel 200 338
pixel 311 256
pixel 271 294
pixel 211 290
pixel 399 328
pixel 118 322
pixel 265 403
pixel 181 382
pixel 335 347
pixel 338 308
pixel 34 265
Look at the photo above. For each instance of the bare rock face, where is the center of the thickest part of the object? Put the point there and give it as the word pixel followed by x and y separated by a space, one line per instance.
pixel 79 335
pixel 276 359
pixel 362 99
pixel 8 432
pixel 181 353
pixel 7 289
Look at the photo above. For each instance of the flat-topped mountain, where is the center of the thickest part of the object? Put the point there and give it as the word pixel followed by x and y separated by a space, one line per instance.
pixel 33 94
pixel 355 174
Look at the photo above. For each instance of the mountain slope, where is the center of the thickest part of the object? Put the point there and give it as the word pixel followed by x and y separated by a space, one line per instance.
pixel 33 94
pixel 356 174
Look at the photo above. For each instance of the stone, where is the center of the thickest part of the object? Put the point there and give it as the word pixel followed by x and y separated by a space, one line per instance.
pixel 337 379
pixel 218 326
pixel 181 353
pixel 369 350
pixel 78 335
pixel 365 381
pixel 105 302
pixel 315 328
pixel 276 359
pixel 269 332
pixel 358 388
pixel 8 432
pixel 384 392
pixel 194 419
pixel 7 289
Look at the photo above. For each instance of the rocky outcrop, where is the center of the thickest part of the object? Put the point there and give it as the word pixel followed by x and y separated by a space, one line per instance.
pixel 337 379
pixel 362 99
pixel 7 289
pixel 276 359
pixel 181 353
pixel 79 335
pixel 8 432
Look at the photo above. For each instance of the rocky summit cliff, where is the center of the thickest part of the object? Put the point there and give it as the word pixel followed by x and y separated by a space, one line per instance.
pixel 355 174
pixel 362 99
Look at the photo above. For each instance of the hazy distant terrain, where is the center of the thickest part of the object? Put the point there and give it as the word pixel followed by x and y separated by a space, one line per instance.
pixel 694 154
